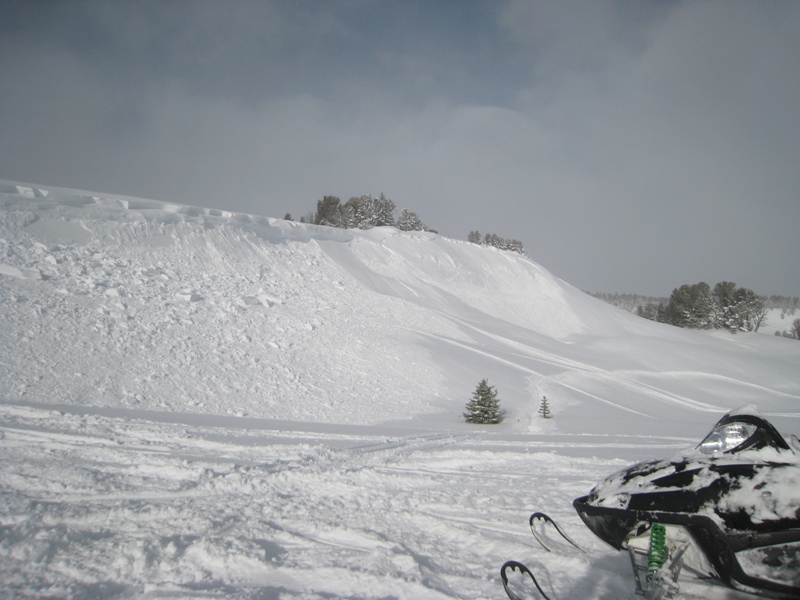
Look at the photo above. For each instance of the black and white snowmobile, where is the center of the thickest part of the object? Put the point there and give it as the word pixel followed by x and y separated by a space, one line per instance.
pixel 728 509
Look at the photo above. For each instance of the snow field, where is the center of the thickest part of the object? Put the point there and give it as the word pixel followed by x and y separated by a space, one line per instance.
pixel 97 506
pixel 103 506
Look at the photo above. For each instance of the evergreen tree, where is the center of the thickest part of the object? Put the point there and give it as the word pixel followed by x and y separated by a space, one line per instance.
pixel 375 212
pixel 725 297
pixel 326 210
pixel 347 216
pixel 724 294
pixel 484 407
pixel 692 306
pixel 738 309
pixel 384 211
pixel 750 311
pixel 409 221
pixel 544 408
pixel 365 212
pixel 649 311
pixel 494 240
pixel 516 246
pixel 350 212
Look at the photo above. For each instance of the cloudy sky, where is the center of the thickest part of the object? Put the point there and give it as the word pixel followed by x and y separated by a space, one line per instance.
pixel 633 146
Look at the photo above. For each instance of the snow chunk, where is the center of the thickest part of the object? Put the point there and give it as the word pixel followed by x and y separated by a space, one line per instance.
pixel 19 272
pixel 190 296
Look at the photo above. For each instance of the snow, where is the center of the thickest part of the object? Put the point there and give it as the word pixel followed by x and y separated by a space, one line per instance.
pixel 199 403
pixel 778 321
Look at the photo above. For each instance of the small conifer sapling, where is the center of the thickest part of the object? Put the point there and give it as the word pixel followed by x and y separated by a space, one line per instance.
pixel 544 408
pixel 484 407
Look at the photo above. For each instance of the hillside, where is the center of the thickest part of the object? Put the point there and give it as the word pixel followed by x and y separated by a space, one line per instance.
pixel 123 302
pixel 196 403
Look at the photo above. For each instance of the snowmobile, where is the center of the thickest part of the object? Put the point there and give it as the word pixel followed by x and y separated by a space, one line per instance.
pixel 728 509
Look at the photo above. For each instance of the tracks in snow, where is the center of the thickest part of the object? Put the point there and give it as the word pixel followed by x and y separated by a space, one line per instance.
pixel 96 502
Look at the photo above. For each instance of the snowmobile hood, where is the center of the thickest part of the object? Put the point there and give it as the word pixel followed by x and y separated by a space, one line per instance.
pixel 743 472
pixel 737 490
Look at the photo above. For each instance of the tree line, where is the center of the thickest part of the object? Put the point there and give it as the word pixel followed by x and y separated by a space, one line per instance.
pixel 632 303
pixel 366 211
pixel 698 306
pixel 362 212
pixel 494 240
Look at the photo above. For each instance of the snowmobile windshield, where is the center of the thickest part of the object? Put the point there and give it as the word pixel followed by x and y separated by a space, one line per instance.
pixel 727 437
pixel 736 432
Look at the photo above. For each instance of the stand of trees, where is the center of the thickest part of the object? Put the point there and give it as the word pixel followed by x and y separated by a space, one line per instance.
pixel 697 306
pixel 492 239
pixel 726 306
pixel 363 212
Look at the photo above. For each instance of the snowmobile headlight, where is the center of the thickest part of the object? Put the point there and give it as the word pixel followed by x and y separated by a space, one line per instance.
pixel 727 437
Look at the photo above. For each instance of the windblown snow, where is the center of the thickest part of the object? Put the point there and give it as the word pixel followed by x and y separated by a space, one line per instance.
pixel 199 403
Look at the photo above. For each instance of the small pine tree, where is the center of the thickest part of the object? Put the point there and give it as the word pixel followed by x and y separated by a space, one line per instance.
pixel 484 407
pixel 544 408
pixel 410 221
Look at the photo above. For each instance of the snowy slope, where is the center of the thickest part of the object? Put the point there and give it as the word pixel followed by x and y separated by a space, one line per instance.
pixel 195 402
pixel 143 304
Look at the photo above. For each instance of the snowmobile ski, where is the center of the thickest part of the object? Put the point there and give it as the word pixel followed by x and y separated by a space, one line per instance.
pixel 655 569
pixel 514 565
pixel 546 518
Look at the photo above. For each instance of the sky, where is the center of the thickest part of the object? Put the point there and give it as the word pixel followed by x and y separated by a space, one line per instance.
pixel 631 146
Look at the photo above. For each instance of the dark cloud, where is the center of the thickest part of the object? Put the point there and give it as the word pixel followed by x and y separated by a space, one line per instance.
pixel 632 146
